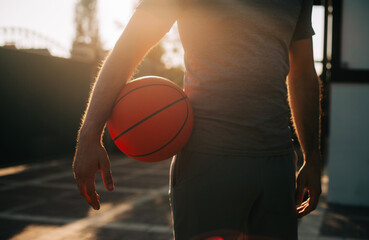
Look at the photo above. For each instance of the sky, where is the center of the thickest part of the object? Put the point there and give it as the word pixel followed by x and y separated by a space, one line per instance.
pixel 55 20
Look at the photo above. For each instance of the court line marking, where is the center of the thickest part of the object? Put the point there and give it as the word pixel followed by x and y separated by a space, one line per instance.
pixel 131 226
pixel 98 220
pixel 53 176
pixel 102 220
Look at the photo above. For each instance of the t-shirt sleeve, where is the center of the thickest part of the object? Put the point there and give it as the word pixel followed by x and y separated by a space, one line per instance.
pixel 161 8
pixel 303 28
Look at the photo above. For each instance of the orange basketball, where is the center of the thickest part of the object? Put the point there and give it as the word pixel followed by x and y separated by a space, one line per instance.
pixel 152 119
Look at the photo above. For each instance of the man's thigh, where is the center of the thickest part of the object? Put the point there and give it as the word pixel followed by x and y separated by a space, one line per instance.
pixel 215 196
pixel 273 214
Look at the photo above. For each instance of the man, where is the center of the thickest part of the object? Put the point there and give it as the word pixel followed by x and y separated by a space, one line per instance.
pixel 236 176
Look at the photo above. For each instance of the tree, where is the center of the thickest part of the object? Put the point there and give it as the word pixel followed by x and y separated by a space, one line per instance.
pixel 86 43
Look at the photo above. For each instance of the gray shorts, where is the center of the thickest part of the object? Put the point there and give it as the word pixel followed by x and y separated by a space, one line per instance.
pixel 233 197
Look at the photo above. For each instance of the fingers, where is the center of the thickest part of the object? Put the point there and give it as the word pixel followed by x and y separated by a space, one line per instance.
pixel 92 195
pixel 82 190
pixel 107 175
pixel 107 179
pixel 88 192
pixel 85 166
pixel 310 205
pixel 308 179
pixel 301 208
pixel 299 194
pixel 314 199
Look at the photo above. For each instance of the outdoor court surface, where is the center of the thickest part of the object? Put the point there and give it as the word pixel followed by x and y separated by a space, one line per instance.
pixel 41 201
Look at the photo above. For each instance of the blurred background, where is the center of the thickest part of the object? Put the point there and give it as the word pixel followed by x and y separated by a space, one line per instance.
pixel 49 55
pixel 51 50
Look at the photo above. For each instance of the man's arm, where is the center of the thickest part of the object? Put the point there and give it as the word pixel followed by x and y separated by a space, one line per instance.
pixel 142 32
pixel 304 96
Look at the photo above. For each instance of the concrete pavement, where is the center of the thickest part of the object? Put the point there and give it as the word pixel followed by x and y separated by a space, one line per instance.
pixel 41 201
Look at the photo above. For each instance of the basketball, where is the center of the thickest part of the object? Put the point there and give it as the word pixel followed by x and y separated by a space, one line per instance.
pixel 151 120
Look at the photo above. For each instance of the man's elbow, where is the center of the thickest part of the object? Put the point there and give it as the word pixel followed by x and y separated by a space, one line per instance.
pixel 303 78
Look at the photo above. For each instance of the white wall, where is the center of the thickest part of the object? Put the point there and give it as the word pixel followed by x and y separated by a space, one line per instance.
pixel 348 157
pixel 355 34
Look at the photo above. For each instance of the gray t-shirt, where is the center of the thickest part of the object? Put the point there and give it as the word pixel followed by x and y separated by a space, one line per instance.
pixel 236 59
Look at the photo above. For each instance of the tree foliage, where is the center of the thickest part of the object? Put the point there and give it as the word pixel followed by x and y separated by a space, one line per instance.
pixel 85 20
pixel 86 26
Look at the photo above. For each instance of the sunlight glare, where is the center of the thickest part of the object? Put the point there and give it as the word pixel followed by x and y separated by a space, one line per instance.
pixel 103 207
pixel 174 52
pixel 12 170
pixel 33 231
pixel 113 16
pixel 57 23
pixel 318 25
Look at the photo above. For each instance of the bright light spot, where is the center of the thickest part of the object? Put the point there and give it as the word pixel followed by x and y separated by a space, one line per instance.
pixel 103 207
pixel 174 52
pixel 12 170
pixel 55 20
pixel 318 68
pixel 113 16
pixel 33 231
pixel 318 38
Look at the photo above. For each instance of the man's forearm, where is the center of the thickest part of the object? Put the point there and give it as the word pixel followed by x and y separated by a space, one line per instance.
pixel 140 35
pixel 143 31
pixel 304 98
pixel 110 81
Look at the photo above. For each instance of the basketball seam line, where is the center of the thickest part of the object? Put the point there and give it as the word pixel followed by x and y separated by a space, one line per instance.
pixel 171 140
pixel 137 88
pixel 146 118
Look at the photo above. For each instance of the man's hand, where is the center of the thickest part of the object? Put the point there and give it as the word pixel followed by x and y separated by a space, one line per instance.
pixel 308 179
pixel 145 29
pixel 90 158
